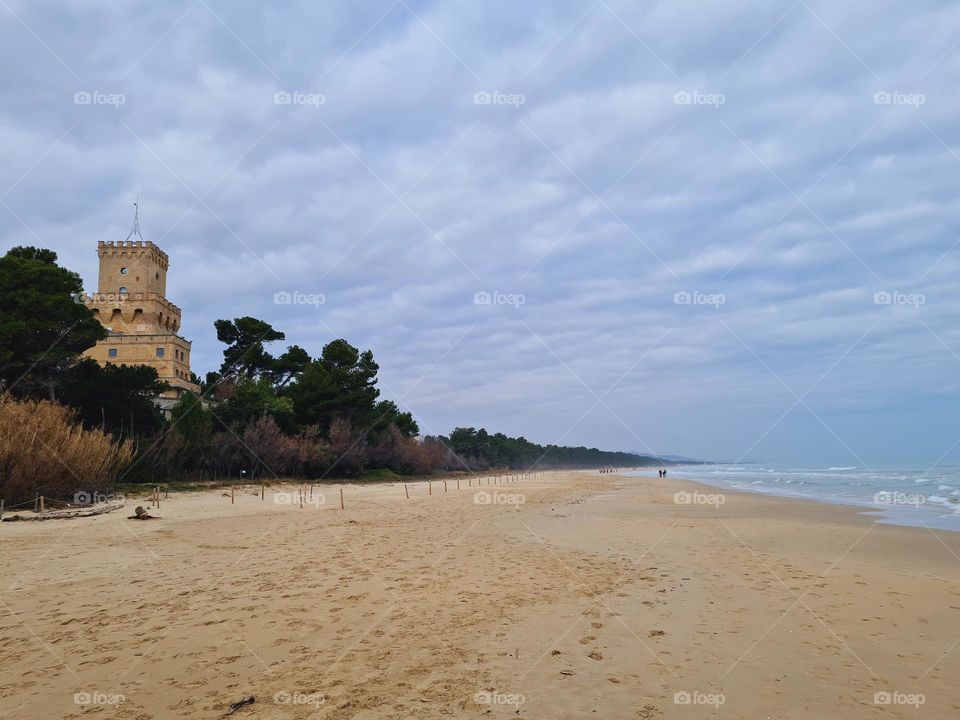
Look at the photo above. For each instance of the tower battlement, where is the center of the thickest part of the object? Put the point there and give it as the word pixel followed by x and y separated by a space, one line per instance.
pixel 133 248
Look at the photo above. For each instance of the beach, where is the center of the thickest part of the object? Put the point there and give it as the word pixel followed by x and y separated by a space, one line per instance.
pixel 567 595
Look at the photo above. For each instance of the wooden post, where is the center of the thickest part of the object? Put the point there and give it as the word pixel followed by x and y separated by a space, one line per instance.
pixel 301 497
pixel 231 494
pixel 36 499
pixel 341 498
pixel 469 482
pixel 458 483
pixel 1 509
pixel 429 487
pixel 311 491
pixel 261 491
pixel 41 506
pixel 406 491
pixel 444 485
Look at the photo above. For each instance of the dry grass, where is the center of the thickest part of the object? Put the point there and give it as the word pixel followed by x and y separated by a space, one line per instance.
pixel 44 449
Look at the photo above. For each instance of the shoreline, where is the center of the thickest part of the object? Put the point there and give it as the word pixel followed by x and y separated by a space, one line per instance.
pixel 900 515
pixel 554 597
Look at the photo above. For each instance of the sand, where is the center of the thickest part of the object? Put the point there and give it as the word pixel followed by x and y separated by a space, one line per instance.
pixel 596 596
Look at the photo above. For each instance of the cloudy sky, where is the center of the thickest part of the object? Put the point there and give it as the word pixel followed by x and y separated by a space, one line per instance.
pixel 720 229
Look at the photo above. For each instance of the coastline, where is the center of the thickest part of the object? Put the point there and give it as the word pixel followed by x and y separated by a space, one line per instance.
pixel 593 593
pixel 903 507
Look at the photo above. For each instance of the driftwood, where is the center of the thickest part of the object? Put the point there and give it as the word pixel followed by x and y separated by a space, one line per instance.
pixel 141 514
pixel 66 514
pixel 239 704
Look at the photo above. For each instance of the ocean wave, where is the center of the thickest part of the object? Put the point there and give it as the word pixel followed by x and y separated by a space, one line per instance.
pixel 843 468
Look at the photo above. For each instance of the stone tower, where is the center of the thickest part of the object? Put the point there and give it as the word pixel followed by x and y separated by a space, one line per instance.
pixel 141 323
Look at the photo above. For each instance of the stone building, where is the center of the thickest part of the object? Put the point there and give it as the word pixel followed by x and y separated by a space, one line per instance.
pixel 142 325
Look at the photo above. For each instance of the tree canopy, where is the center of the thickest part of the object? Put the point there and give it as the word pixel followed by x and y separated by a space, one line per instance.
pixel 44 324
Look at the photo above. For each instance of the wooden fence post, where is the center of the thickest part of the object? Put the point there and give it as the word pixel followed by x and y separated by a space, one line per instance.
pixel 444 485
pixel 261 491
pixel 36 500
pixel 406 491
pixel 458 483
pixel 41 506
pixel 429 487
pixel 231 494
pixel 341 498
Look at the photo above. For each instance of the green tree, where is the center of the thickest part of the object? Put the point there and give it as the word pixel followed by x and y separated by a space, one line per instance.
pixel 387 413
pixel 341 383
pixel 116 398
pixel 246 354
pixel 289 365
pixel 250 400
pixel 43 324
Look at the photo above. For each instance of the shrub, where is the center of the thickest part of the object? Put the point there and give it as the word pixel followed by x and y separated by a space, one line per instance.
pixel 43 448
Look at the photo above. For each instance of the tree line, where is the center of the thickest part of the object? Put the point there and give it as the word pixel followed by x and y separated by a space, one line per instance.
pixel 263 413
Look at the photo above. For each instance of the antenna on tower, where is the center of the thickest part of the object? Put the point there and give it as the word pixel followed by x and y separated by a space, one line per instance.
pixel 135 230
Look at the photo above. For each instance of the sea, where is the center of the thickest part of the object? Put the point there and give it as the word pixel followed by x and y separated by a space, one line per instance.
pixel 916 495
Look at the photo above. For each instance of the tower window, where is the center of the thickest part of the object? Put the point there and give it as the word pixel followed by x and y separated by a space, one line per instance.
pixel 112 352
pixel 123 291
pixel 124 271
pixel 159 352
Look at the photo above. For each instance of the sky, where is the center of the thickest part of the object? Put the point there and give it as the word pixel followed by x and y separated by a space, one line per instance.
pixel 725 230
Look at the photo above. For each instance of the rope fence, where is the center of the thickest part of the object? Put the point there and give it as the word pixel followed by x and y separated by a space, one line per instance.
pixel 304 495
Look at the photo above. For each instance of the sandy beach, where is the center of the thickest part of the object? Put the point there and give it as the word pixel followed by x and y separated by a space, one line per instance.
pixel 568 596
